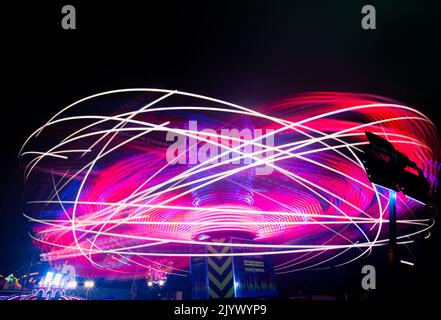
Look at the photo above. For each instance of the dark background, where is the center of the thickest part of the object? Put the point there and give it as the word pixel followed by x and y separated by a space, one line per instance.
pixel 247 52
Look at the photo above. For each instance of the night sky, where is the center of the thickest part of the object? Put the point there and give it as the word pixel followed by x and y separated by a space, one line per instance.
pixel 250 53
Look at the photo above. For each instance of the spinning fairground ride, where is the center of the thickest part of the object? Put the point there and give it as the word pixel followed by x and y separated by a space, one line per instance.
pixel 126 182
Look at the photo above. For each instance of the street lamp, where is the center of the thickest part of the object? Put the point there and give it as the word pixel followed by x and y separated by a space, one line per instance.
pixel 89 284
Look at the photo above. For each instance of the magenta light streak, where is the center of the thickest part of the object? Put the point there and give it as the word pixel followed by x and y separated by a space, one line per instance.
pixel 104 196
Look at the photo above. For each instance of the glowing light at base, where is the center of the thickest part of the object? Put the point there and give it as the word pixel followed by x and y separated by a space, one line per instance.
pixel 72 285
pixel 112 192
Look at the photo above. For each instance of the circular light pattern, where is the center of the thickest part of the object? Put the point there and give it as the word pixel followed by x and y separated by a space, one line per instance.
pixel 121 180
